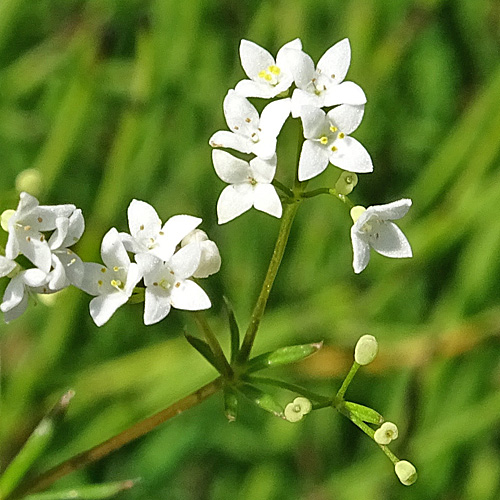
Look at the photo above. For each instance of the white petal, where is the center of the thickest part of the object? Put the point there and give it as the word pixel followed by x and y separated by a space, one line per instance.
pixel 46 215
pixel 143 221
pixel 76 228
pixel 26 205
pixel 266 199
pixel 59 235
pixel 185 261
pixel 301 98
pixel 12 247
pixel 229 168
pixel 301 65
pixel 361 252
pixel 313 160
pixel 104 306
pixel 6 266
pixel 131 244
pixel 249 88
pixel 351 156
pixel 13 294
pixel 34 277
pixel 233 201
pixel 156 305
pixel 57 277
pixel 241 116
pixel 346 117
pixel 210 261
pixel 35 250
pixel 263 171
pixel 134 275
pixel 149 266
pixel 73 266
pixel 314 122
pixel 113 252
pixel 344 93
pixel 336 60
pixel 254 58
pixel 265 148
pixel 225 139
pixel 93 274
pixel 190 297
pixel 273 117
pixel 17 310
pixel 281 59
pixel 391 241
pixel 175 229
pixel 391 211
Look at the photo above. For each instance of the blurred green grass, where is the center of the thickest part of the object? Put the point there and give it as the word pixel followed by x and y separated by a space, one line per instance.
pixel 116 100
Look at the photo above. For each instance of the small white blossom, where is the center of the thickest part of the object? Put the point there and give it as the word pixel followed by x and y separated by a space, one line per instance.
pixel 296 410
pixel 366 350
pixel 250 186
pixel 406 472
pixel 268 77
pixel 168 284
pixel 147 235
pixel 386 433
pixel 327 140
pixel 249 132
pixel 25 226
pixel 111 284
pixel 210 260
pixel 323 85
pixel 373 228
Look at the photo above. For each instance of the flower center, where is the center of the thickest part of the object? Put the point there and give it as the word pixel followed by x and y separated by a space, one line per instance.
pixel 270 75
pixel 252 181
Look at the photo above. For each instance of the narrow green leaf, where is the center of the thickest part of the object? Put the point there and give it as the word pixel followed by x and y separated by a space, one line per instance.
pixel 94 492
pixel 34 446
pixel 363 413
pixel 233 329
pixel 261 399
pixel 230 404
pixel 204 349
pixel 283 356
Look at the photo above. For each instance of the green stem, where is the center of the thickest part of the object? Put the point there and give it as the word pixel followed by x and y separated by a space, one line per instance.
pixel 345 384
pixel 316 192
pixel 212 341
pixel 289 211
pixel 288 192
pixel 101 450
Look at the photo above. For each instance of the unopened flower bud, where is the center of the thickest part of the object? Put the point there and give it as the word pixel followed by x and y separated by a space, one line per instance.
pixel 296 410
pixel 406 472
pixel 196 236
pixel 4 218
pixel 366 350
pixel 210 257
pixel 30 180
pixel 386 433
pixel 346 182
pixel 356 212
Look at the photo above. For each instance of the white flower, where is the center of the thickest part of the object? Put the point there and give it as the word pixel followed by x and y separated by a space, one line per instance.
pixel 210 260
pixel 296 410
pixel 249 133
pixel 406 472
pixel 67 266
pixel 25 227
pixel 15 298
pixel 250 186
pixel 373 228
pixel 168 284
pixel 366 350
pixel 327 140
pixel 386 433
pixel 147 235
pixel 113 283
pixel 268 77
pixel 323 86
pixel 6 266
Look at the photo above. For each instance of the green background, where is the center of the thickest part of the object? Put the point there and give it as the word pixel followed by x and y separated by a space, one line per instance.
pixel 114 100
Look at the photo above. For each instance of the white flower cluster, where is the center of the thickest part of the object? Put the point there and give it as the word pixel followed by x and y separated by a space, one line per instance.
pixel 326 137
pixel 166 258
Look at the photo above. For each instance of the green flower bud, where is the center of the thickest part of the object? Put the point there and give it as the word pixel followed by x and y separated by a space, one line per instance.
pixel 364 413
pixel 30 180
pixel 366 350
pixel 386 433
pixel 346 183
pixel 4 218
pixel 296 410
pixel 261 399
pixel 406 472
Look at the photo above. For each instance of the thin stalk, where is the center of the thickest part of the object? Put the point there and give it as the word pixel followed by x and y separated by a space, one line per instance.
pixel 212 341
pixel 289 211
pixel 288 192
pixel 316 192
pixel 102 450
pixel 345 384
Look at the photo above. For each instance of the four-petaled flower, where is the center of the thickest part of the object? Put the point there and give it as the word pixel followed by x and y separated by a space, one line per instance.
pixel 373 228
pixel 268 77
pixel 323 86
pixel 249 133
pixel 250 186
pixel 327 140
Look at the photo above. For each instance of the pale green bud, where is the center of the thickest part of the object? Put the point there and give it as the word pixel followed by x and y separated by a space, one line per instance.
pixel 406 472
pixel 366 350
pixel 346 183
pixel 30 180
pixel 296 410
pixel 386 433
pixel 4 218
pixel 356 212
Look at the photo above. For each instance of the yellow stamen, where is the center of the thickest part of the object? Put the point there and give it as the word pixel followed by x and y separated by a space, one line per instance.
pixel 274 70
pixel 323 140
pixel 341 135
pixel 333 129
